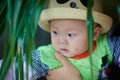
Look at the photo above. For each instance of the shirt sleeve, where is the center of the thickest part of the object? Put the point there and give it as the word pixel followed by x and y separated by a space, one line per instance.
pixel 36 70
pixel 114 43
pixel 40 68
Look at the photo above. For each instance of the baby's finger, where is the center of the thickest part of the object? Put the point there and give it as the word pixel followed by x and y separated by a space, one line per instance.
pixel 62 59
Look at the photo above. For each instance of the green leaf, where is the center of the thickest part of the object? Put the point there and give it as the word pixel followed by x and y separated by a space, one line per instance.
pixel 90 23
pixel 3 11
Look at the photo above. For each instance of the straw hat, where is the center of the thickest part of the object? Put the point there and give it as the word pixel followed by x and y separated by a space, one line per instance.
pixel 74 9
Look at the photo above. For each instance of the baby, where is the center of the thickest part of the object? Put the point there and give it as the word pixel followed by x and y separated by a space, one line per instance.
pixel 66 21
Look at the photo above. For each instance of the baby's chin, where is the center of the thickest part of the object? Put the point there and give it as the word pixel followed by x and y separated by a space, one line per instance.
pixel 66 53
pixel 69 55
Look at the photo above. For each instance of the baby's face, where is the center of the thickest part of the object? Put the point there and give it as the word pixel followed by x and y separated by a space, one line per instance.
pixel 69 37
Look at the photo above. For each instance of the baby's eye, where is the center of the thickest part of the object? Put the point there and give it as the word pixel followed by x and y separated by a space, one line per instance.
pixel 55 32
pixel 71 35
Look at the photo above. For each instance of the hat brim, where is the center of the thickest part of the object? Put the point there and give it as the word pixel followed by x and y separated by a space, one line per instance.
pixel 69 13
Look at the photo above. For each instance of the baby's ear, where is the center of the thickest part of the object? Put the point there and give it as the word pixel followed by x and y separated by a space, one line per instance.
pixel 97 29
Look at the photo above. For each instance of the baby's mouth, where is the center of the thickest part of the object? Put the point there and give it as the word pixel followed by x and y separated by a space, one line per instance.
pixel 64 50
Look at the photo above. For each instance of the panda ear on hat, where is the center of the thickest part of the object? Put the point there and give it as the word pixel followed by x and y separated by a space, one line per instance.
pixel 74 9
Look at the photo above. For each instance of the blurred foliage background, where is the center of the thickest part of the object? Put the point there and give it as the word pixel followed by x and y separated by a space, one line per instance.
pixel 18 23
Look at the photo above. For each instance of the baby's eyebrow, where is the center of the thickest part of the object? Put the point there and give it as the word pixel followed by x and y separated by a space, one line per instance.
pixel 53 27
pixel 51 24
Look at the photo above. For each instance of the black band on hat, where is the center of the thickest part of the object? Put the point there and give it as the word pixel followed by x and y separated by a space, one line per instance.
pixel 84 2
pixel 62 1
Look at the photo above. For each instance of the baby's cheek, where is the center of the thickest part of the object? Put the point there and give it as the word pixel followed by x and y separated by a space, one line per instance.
pixel 76 49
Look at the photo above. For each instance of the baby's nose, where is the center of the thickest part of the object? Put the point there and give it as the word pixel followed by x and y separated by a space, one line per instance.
pixel 62 40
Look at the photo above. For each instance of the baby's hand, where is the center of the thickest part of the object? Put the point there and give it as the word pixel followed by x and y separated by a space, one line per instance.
pixel 66 72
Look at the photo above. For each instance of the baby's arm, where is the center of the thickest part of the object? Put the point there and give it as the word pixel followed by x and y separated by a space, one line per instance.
pixel 37 69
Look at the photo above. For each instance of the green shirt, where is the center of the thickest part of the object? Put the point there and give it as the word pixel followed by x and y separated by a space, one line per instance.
pixel 83 65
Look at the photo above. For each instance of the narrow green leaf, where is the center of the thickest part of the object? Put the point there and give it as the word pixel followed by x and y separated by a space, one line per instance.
pixel 90 31
pixel 118 8
pixel 3 11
